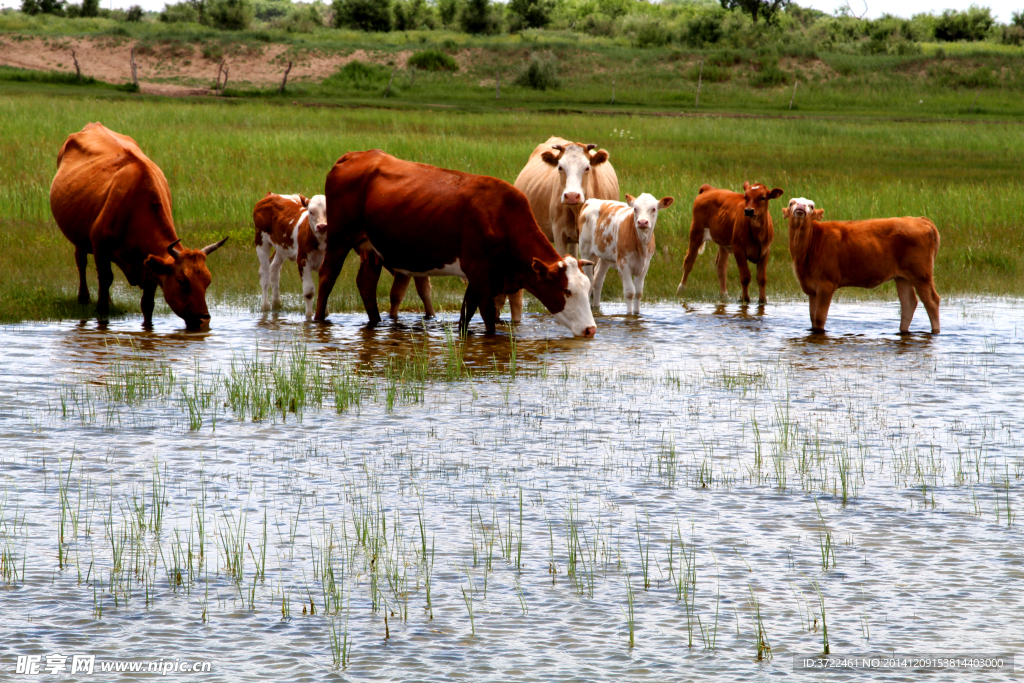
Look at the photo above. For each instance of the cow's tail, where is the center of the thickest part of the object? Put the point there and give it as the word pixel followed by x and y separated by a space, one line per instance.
pixel 701 249
pixel 704 188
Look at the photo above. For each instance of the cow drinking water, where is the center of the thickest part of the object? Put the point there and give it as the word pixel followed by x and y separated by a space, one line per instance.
pixel 423 221
pixel 110 200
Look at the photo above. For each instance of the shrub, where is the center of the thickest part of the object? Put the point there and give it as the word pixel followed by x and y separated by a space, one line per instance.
pixel 364 15
pixel 703 30
pixel 134 14
pixel 230 15
pixel 647 31
pixel 540 74
pixel 478 16
pixel 302 19
pixel 1012 35
pixel 971 24
pixel 448 10
pixel 43 7
pixel 433 60
pixel 268 10
pixel 767 71
pixel 359 75
pixel 531 13
pixel 181 13
pixel 414 14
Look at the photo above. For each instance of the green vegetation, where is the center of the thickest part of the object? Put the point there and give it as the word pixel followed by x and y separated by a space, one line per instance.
pixel 220 157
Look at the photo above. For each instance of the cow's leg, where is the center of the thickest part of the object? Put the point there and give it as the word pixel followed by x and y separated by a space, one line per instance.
pixel 930 299
pixel 692 251
pixel 263 255
pixel 82 261
pixel 398 290
pixel 148 297
pixel 515 304
pixel 762 278
pixel 638 282
pixel 275 277
pixel 470 302
pixel 489 312
pixel 424 290
pixel 628 288
pixel 824 300
pixel 744 268
pixel 908 303
pixel 600 272
pixel 106 279
pixel 334 259
pixel 306 275
pixel 721 266
pixel 366 281
pixel 561 244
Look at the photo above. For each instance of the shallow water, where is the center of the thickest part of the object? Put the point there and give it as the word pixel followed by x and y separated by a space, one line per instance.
pixel 719 436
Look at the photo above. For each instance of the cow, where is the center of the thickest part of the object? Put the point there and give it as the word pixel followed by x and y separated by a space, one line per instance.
pixel 558 177
pixel 866 253
pixel 621 236
pixel 110 200
pixel 741 225
pixel 295 228
pixel 423 220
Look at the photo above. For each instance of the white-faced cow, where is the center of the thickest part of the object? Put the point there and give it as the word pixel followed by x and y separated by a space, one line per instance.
pixel 620 236
pixel 557 179
pixel 828 255
pixel 423 221
pixel 295 229
pixel 110 200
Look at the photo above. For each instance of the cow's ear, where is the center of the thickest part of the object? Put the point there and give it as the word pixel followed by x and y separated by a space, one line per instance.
pixel 786 212
pixel 775 194
pixel 549 158
pixel 818 214
pixel 599 157
pixel 541 268
pixel 629 200
pixel 666 202
pixel 746 185
pixel 158 266
pixel 304 201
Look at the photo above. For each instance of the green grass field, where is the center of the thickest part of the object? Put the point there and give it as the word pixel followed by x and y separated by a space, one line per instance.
pixel 221 156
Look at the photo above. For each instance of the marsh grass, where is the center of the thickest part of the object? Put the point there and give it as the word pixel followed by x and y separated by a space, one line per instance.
pixel 964 177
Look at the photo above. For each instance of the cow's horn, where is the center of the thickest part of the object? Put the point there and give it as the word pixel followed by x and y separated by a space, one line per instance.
pixel 591 146
pixel 210 248
pixel 172 248
pixel 584 262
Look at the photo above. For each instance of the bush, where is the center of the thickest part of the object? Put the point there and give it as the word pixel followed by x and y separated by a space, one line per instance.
pixel 433 60
pixel 359 75
pixel 230 15
pixel 540 74
pixel 448 10
pixel 364 15
pixel 134 14
pixel 1012 35
pixel 479 17
pixel 647 31
pixel 43 7
pixel 269 10
pixel 304 19
pixel 971 24
pixel 703 30
pixel 181 13
pixel 767 71
pixel 530 13
pixel 414 14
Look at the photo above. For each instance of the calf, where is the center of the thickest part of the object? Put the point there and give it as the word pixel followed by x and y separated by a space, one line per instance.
pixel 621 236
pixel 834 254
pixel 296 228
pixel 741 225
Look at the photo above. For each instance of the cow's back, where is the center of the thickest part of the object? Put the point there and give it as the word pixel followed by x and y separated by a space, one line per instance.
pixel 277 218
pixel 717 210
pixel 104 175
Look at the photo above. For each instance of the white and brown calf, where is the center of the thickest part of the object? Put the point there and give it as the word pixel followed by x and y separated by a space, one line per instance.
pixel 620 235
pixel 296 229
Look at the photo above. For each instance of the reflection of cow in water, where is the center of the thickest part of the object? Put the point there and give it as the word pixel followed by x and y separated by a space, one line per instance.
pixel 423 220
pixel 110 200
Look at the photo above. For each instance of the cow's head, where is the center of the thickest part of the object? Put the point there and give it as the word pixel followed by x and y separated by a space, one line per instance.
pixel 184 277
pixel 565 291
pixel 317 207
pixel 755 199
pixel 574 161
pixel 645 212
pixel 801 210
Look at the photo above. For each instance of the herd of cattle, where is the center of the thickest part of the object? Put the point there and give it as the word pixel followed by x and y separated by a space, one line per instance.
pixel 417 221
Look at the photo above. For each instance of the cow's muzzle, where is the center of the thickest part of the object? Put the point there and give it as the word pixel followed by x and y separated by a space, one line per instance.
pixel 589 332
pixel 571 198
pixel 197 322
pixel 749 213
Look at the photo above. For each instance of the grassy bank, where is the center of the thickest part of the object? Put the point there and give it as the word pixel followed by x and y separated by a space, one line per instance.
pixel 220 157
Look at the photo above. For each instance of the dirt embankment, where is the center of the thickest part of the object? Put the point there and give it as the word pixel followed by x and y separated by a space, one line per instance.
pixel 176 68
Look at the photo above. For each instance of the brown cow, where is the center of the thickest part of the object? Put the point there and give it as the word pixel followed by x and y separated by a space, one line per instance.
pixel 741 225
pixel 558 178
pixel 111 201
pixel 834 254
pixel 425 220
pixel 370 260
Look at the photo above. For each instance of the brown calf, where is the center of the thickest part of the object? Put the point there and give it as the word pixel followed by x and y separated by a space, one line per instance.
pixel 741 225
pixel 834 254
